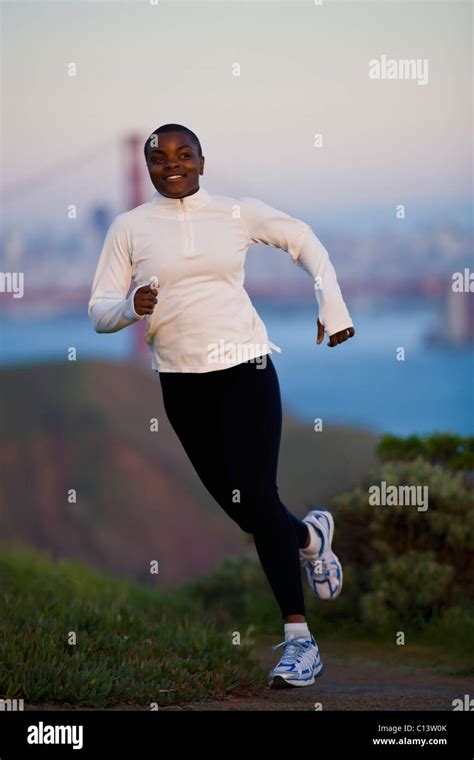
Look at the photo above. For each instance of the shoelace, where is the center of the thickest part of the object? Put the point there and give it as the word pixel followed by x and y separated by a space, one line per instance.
pixel 293 647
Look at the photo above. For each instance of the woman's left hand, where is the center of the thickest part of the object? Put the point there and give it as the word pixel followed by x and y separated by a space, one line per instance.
pixel 335 339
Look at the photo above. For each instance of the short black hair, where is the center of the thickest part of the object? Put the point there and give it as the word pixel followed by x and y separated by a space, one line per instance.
pixel 173 128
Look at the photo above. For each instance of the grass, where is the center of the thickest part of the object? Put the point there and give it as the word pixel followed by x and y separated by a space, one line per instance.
pixel 133 644
pixel 69 634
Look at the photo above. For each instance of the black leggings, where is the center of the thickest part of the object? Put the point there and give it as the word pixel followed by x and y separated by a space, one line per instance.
pixel 229 423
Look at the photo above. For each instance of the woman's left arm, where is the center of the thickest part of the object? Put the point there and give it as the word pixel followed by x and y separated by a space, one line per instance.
pixel 265 224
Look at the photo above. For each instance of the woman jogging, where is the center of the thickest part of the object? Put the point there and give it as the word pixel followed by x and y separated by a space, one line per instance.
pixel 185 251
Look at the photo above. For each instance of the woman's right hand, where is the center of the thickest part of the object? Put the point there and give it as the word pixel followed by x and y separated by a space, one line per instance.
pixel 145 299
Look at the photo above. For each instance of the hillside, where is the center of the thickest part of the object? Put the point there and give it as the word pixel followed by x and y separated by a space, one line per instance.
pixel 86 426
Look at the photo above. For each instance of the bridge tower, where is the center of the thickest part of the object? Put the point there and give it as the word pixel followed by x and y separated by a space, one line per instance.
pixel 135 195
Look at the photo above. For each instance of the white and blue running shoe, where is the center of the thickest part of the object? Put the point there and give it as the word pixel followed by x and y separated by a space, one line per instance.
pixel 300 664
pixel 323 570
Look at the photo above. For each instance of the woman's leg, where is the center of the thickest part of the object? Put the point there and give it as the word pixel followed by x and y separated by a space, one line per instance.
pixel 251 408
pixel 229 422
pixel 192 405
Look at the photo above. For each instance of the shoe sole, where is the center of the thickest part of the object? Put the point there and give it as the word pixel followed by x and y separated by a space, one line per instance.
pixel 320 583
pixel 331 535
pixel 330 520
pixel 278 682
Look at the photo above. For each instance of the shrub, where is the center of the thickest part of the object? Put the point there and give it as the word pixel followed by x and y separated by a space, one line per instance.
pixel 451 450
pixel 368 534
pixel 411 589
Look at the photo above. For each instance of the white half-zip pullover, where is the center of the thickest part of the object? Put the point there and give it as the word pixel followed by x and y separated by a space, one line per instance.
pixel 196 246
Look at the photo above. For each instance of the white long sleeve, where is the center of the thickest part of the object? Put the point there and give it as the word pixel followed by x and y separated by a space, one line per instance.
pixel 269 225
pixel 109 308
pixel 196 247
pixel 314 259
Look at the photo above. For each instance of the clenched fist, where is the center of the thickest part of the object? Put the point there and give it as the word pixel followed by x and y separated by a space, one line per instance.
pixel 145 299
pixel 335 338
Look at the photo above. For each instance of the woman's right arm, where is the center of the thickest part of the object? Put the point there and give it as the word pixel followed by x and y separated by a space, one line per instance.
pixel 109 308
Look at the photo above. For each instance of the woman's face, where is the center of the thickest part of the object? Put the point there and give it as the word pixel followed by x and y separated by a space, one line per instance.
pixel 175 153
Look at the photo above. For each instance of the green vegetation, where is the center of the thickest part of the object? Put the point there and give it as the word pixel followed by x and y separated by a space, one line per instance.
pixel 404 570
pixel 411 566
pixel 453 451
pixel 134 644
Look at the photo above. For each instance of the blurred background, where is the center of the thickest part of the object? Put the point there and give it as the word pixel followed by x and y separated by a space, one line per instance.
pixel 79 140
pixel 84 84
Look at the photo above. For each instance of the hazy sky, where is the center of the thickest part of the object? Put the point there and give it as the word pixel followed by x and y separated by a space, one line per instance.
pixel 303 70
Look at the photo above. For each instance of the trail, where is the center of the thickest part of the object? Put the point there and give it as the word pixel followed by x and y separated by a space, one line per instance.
pixel 350 684
pixel 354 681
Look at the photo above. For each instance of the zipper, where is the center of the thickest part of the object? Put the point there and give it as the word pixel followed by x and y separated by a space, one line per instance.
pixel 188 231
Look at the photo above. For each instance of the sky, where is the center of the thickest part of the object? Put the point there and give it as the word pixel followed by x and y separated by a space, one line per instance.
pixel 304 70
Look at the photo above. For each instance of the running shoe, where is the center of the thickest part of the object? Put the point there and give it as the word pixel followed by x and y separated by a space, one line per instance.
pixel 299 665
pixel 324 571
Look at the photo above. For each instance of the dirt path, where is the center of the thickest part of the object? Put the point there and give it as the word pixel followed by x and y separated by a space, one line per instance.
pixel 351 684
pixel 361 681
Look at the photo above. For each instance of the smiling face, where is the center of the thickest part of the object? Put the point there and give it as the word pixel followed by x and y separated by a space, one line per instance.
pixel 176 154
